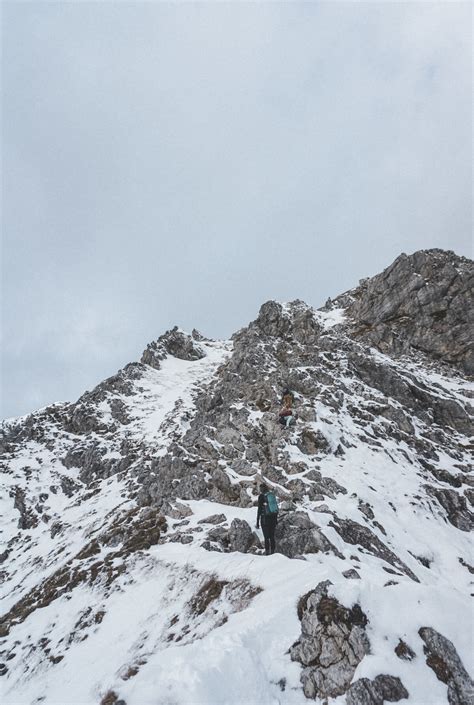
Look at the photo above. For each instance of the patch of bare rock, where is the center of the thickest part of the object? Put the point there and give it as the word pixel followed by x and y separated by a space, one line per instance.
pixel 333 642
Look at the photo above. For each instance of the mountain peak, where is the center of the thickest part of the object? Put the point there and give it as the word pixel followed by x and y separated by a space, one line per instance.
pixel 421 302
pixel 131 553
pixel 175 342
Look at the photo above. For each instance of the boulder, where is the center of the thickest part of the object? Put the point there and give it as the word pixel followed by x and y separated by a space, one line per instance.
pixel 174 342
pixel 443 659
pixel 241 537
pixel 376 692
pixel 421 301
pixel 333 642
pixel 296 535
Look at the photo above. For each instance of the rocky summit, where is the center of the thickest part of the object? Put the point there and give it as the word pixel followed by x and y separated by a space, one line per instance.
pixel 133 572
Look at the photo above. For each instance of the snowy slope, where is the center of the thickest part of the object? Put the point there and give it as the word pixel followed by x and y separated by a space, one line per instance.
pixel 130 572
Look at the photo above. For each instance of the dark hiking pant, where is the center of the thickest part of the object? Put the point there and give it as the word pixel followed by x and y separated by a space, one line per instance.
pixel 268 527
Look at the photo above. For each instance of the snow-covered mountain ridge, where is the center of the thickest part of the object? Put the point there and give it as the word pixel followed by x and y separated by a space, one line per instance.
pixel 131 569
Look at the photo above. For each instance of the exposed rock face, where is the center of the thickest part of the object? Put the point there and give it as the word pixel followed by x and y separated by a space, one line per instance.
pixel 83 418
pixel 332 644
pixel 443 659
pixel 421 301
pixel 413 395
pixel 213 519
pixel 296 535
pixel 355 533
pixel 312 442
pixel 27 519
pixel 176 343
pixel 382 688
pixel 273 320
pixel 384 439
pixel 241 537
pixel 172 478
pixel 456 508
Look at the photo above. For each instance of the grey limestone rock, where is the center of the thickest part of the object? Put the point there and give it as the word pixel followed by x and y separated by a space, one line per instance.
pixel 222 490
pixel 272 320
pixel 213 519
pixel 296 320
pixel 119 411
pixel 120 383
pixel 241 537
pixel 455 506
pixel 28 519
pixel 297 535
pixel 443 659
pixel 412 394
pixel 83 417
pixel 354 533
pixel 219 534
pixel 325 486
pixel 332 643
pixel 174 342
pixel 421 301
pixel 375 692
pixel 312 442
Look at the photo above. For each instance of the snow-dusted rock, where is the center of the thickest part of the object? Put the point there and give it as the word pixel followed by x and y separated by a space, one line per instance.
pixel 241 537
pixel 383 688
pixel 174 342
pixel 443 659
pixel 421 301
pixel 332 643
pixel 297 535
pixel 127 515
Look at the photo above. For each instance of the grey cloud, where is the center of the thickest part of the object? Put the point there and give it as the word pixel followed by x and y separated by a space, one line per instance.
pixel 181 163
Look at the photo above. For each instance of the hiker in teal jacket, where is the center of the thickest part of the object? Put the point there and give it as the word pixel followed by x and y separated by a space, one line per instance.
pixel 267 516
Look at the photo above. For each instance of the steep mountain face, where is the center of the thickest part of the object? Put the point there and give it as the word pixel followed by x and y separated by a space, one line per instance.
pixel 422 302
pixel 132 569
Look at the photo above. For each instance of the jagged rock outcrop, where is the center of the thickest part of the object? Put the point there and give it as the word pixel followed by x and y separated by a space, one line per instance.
pixel 421 301
pixel 28 518
pixel 455 506
pixel 413 395
pixel 297 535
pixel 354 533
pixel 174 342
pixel 333 642
pixel 299 324
pixel 170 478
pixel 241 536
pixel 115 497
pixel 443 659
pixel 383 688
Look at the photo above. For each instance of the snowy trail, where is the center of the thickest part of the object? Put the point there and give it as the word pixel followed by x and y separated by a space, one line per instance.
pixel 244 660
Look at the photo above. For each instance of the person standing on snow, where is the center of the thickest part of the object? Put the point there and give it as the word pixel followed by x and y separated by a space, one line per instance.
pixel 267 516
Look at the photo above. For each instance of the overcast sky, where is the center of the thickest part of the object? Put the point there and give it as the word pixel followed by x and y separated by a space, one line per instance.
pixel 170 163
